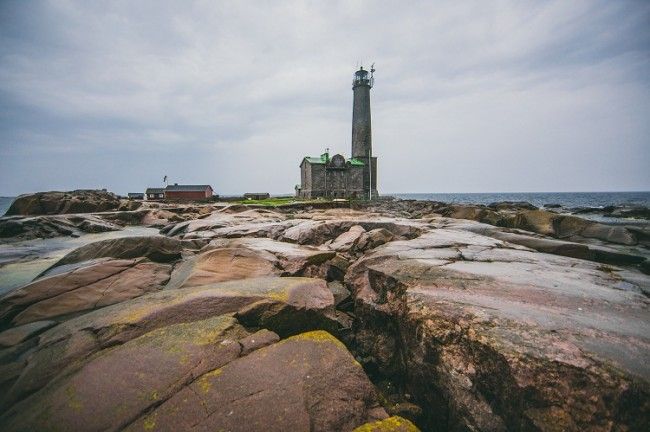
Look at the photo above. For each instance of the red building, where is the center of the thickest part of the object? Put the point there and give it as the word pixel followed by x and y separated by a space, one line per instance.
pixel 178 192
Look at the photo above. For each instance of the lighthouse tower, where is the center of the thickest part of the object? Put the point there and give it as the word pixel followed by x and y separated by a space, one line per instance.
pixel 361 130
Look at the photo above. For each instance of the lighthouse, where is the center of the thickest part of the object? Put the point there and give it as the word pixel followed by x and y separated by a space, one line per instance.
pixel 335 177
pixel 362 131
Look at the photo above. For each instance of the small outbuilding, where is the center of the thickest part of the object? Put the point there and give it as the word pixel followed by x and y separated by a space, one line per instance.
pixel 257 195
pixel 135 196
pixel 155 193
pixel 178 192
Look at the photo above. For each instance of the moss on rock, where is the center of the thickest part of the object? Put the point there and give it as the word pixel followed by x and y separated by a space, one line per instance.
pixel 391 424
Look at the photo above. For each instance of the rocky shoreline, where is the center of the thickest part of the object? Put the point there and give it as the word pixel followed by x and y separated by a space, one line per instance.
pixel 388 315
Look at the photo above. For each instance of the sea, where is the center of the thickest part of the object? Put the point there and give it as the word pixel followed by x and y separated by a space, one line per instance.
pixel 567 200
pixel 5 203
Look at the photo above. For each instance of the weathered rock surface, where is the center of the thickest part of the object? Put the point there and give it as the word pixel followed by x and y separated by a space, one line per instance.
pixel 94 285
pixel 373 238
pixel 347 240
pixel 232 222
pixel 547 223
pixel 284 305
pixel 566 226
pixel 156 248
pixel 247 258
pixel 16 335
pixel 257 340
pixel 493 336
pixel 78 201
pixel 603 254
pixel 305 382
pixel 357 240
pixel 512 205
pixel 317 232
pixel 27 228
pixel 223 264
pixel 198 376
pixel 486 318
pixel 112 389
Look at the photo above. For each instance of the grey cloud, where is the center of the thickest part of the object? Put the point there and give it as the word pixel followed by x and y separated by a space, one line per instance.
pixel 471 96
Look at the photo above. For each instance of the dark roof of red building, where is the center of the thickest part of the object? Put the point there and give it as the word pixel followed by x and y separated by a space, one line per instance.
pixel 187 188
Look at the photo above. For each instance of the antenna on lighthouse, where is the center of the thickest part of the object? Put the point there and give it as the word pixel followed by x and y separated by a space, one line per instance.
pixel 372 78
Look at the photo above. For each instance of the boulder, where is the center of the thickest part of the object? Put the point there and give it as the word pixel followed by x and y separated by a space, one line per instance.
pixel 471 212
pixel 559 247
pixel 610 234
pixel 115 387
pixel 512 205
pixel 272 230
pixel 340 292
pixel 160 218
pixel 348 239
pixel 156 248
pixel 39 227
pixel 639 212
pixel 51 203
pixel 317 232
pixel 94 285
pixel 224 224
pixel 566 226
pixel 221 265
pixel 292 305
pixel 126 217
pixel 373 238
pixel 537 221
pixel 225 260
pixel 487 335
pixel 331 270
pixel 306 382
pixel 291 258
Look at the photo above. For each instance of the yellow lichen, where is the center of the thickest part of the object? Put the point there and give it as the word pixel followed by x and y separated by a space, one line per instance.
pixel 282 296
pixel 320 336
pixel 73 402
pixel 205 381
pixel 134 315
pixel 391 424
pixel 149 422
pixel 210 335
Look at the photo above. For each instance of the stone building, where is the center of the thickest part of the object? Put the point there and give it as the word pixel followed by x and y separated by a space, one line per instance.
pixel 337 177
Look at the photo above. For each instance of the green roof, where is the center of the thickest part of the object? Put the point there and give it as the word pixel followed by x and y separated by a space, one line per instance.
pixel 316 160
pixel 322 159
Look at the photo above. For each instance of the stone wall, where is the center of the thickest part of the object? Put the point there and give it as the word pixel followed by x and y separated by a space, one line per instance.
pixel 319 181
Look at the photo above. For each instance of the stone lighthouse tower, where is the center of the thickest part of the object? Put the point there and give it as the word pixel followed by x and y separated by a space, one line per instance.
pixel 361 130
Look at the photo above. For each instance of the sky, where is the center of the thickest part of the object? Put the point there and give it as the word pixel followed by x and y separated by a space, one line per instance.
pixel 472 96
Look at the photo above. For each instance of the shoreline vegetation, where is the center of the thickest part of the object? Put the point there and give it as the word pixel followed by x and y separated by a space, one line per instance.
pixel 285 314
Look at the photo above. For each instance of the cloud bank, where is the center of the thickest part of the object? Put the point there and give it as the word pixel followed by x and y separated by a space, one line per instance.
pixel 469 97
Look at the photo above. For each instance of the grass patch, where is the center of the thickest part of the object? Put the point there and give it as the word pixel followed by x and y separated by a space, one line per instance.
pixel 274 202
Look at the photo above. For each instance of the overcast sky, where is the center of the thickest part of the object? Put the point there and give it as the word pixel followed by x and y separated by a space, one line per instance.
pixel 482 96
